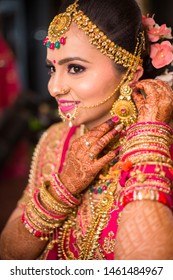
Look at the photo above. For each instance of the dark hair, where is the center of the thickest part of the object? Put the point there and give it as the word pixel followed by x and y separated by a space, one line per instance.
pixel 121 21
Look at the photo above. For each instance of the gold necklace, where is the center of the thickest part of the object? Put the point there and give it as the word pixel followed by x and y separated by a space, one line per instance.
pixel 99 221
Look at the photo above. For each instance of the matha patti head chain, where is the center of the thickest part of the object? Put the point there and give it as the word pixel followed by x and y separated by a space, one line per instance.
pixel 124 107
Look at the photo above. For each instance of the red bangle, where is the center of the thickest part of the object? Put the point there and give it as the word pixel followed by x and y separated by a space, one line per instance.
pixel 31 229
pixel 148 194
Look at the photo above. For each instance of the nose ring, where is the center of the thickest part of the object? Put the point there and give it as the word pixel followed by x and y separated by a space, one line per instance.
pixel 64 90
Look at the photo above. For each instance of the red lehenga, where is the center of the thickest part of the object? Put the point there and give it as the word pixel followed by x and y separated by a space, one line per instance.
pixel 84 235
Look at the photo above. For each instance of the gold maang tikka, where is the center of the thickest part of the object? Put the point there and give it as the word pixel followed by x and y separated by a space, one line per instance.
pixel 61 24
pixel 58 27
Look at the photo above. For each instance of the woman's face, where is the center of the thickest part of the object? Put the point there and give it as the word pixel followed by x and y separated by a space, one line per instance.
pixel 87 77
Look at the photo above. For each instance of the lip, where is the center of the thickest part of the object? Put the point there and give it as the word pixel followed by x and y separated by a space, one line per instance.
pixel 67 105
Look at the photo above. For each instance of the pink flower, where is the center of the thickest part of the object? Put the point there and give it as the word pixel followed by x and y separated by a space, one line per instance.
pixel 158 32
pixel 148 21
pixel 161 54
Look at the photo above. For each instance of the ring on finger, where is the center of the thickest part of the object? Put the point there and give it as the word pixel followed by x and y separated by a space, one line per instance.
pixel 91 155
pixel 87 143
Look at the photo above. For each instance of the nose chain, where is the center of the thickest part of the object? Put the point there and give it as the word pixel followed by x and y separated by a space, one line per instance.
pixel 68 117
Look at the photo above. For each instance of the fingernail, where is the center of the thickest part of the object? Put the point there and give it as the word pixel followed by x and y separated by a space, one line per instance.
pixel 119 127
pixel 115 119
pixel 110 122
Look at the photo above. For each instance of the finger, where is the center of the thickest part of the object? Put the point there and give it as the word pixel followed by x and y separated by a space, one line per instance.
pixel 157 84
pixel 151 91
pixel 157 92
pixel 163 85
pixel 101 162
pixel 97 132
pixel 138 99
pixel 101 143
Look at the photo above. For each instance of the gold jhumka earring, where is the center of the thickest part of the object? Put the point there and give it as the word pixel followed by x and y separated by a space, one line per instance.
pixel 124 107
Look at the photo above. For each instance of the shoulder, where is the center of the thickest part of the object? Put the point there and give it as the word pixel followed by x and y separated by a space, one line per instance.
pixel 45 159
pixel 55 130
pixel 47 154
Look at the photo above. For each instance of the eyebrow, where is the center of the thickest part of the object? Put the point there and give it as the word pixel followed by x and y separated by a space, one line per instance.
pixel 68 59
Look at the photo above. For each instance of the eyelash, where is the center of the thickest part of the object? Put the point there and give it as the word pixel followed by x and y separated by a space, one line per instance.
pixel 51 69
pixel 77 69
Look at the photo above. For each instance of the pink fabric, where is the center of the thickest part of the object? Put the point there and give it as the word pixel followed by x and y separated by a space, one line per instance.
pixel 107 237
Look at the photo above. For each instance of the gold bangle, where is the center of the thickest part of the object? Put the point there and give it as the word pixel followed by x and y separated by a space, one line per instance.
pixel 51 204
pixel 138 158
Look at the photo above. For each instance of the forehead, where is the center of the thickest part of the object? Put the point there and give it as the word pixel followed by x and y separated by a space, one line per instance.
pixel 77 44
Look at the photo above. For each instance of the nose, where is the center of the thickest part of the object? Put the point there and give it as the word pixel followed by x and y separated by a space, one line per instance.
pixel 56 85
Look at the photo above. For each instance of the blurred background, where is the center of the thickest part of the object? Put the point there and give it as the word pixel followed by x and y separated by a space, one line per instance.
pixel 26 109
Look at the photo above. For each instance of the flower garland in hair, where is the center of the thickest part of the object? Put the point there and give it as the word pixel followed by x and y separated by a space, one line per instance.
pixel 161 52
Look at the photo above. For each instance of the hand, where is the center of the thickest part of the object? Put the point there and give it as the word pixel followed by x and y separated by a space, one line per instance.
pixel 157 102
pixel 83 161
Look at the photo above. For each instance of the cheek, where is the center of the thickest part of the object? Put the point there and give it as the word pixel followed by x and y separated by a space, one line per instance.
pixel 97 86
pixel 49 85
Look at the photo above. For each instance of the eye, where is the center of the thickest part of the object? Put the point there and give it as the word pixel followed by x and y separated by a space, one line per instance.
pixel 51 69
pixel 75 69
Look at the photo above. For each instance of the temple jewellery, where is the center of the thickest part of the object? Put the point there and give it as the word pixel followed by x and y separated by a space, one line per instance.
pixel 124 107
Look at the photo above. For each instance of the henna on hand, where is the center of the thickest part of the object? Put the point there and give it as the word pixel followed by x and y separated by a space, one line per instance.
pixel 157 104
pixel 83 160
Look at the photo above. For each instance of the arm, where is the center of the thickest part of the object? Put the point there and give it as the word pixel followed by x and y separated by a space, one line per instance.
pixel 146 227
pixel 23 245
pixel 16 242
pixel 145 232
pixel 26 246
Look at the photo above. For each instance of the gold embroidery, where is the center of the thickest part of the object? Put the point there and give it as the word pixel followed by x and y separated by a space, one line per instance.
pixel 109 243
pixel 44 160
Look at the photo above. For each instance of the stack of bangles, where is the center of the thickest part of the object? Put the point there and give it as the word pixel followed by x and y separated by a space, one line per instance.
pixel 150 175
pixel 48 208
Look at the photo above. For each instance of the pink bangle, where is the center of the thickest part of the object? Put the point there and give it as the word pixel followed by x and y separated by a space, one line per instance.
pixel 148 194
pixel 143 151
pixel 150 169
pixel 167 127
pixel 36 200
pixel 148 173
pixel 33 230
pixel 148 181
pixel 65 192
pixel 59 194
pixel 147 187
pixel 145 132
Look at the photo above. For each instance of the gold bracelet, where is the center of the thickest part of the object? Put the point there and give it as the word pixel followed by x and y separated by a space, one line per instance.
pixel 144 149
pixel 51 204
